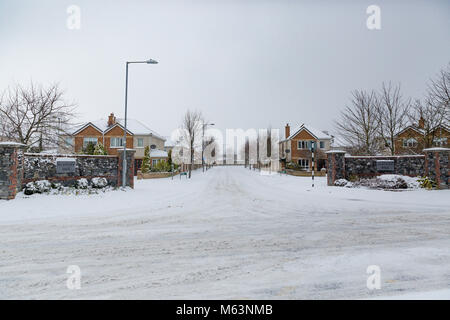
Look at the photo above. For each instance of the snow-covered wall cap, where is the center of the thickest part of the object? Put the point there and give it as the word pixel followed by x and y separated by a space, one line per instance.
pixel 127 149
pixel 66 159
pixel 336 151
pixel 437 149
pixel 12 144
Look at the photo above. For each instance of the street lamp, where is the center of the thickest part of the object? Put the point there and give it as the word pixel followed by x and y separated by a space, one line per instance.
pixel 124 164
pixel 203 142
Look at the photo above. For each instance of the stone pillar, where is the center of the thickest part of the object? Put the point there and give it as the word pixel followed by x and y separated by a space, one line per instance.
pixel 130 167
pixel 11 170
pixel 437 166
pixel 335 166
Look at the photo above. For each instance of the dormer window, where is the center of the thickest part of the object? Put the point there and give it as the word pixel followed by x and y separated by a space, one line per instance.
pixel 409 143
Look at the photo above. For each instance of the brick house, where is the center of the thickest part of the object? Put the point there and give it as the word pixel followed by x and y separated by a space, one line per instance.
pixel 296 147
pixel 110 133
pixel 413 139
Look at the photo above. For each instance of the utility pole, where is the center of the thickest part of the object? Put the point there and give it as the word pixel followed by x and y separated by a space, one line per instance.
pixel 312 161
pixel 124 164
pixel 203 142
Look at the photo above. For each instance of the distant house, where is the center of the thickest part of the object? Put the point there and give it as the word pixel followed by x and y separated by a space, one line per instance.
pixel 169 144
pixel 413 139
pixel 296 147
pixel 110 133
pixel 157 155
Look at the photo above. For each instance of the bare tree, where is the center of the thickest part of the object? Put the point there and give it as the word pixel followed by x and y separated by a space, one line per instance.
pixel 358 123
pixel 429 119
pixel 35 115
pixel 392 110
pixel 209 149
pixel 192 125
pixel 439 94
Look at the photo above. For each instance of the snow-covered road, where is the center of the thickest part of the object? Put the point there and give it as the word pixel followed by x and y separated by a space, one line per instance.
pixel 226 233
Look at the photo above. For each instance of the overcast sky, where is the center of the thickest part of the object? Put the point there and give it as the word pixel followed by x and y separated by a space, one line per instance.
pixel 245 64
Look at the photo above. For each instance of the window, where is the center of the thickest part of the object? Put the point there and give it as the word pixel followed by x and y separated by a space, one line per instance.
pixel 153 146
pixel 302 144
pixel 303 163
pixel 440 142
pixel 154 162
pixel 322 144
pixel 409 143
pixel 140 142
pixel 116 142
pixel 88 140
pixel 68 142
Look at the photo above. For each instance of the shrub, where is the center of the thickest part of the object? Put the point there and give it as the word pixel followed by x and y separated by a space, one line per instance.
pixel 90 148
pixel 100 150
pixel 427 183
pixel 30 189
pixel 39 186
pixel 342 183
pixel 99 183
pixel 292 165
pixel 82 183
pixel 161 166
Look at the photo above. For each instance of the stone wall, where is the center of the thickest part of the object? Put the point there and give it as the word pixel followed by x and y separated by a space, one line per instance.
pixel 437 166
pixel 336 166
pixel 413 166
pixel 10 174
pixel 18 168
pixel 434 163
pixel 43 167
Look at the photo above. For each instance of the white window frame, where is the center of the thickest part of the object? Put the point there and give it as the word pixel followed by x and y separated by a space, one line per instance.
pixel 302 145
pixel 140 140
pixel 154 162
pixel 322 144
pixel 440 142
pixel 87 140
pixel 303 163
pixel 410 143
pixel 113 142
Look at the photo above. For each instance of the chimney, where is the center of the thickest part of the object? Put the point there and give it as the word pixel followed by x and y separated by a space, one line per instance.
pixel 421 123
pixel 111 120
pixel 287 130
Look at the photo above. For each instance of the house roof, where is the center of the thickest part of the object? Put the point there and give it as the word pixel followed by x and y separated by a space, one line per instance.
pixel 133 126
pixel 421 131
pixel 338 142
pixel 418 130
pixel 158 153
pixel 316 133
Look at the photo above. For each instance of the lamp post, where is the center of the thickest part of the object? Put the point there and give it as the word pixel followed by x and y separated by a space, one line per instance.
pixel 203 142
pixel 124 163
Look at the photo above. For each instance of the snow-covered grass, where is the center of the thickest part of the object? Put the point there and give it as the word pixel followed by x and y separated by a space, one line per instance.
pixel 226 233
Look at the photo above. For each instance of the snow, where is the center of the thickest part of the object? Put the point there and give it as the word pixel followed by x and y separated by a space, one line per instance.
pixel 428 295
pixel 60 159
pixel 412 182
pixel 12 143
pixel 228 233
pixel 437 149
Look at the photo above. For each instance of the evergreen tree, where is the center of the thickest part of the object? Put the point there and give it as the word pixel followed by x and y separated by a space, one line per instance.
pixel 100 149
pixel 90 147
pixel 146 161
pixel 169 156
